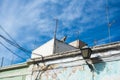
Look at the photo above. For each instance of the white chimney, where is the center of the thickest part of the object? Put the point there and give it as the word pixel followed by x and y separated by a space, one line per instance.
pixel 78 44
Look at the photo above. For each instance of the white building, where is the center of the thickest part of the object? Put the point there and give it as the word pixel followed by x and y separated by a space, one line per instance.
pixel 55 46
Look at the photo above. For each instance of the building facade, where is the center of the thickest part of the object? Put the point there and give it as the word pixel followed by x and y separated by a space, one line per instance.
pixel 69 65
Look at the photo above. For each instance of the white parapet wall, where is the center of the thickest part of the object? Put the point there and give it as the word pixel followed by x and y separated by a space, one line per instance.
pixel 51 47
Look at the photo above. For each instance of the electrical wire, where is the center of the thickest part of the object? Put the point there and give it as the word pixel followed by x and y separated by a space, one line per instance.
pixel 16 45
pixel 23 49
pixel 11 51
pixel 8 34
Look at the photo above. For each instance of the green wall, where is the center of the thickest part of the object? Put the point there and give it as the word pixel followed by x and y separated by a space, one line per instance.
pixel 14 74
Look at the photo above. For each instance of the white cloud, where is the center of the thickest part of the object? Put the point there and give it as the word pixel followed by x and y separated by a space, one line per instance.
pixel 73 10
pixel 31 20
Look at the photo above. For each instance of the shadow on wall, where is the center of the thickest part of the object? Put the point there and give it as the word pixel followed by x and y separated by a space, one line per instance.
pixel 98 66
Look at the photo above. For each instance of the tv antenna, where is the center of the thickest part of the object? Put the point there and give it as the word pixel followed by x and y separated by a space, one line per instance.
pixel 54 51
pixel 109 24
pixel 78 33
pixel 95 42
pixel 56 28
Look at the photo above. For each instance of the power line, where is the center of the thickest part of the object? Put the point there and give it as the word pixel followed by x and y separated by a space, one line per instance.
pixel 8 34
pixel 11 51
pixel 16 45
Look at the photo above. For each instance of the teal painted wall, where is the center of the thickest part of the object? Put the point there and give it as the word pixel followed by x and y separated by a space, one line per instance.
pixel 107 71
pixel 15 74
pixel 14 78
pixel 103 71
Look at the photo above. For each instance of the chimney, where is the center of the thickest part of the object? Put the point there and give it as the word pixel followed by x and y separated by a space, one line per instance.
pixel 78 44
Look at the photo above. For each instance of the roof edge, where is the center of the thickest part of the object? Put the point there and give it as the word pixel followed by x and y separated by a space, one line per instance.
pixel 16 66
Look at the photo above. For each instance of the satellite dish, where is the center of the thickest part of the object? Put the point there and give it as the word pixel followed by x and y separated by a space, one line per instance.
pixel 64 39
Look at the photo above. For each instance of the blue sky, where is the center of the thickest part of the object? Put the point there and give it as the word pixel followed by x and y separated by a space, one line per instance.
pixel 31 23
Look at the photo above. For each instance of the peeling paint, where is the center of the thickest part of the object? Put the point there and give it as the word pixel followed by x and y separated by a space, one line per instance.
pixel 104 71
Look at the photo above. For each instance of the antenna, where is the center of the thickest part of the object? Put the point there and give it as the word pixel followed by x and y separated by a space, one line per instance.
pixel 34 44
pixel 12 60
pixel 78 33
pixel 95 42
pixel 54 50
pixel 56 28
pixel 109 24
pixel 2 60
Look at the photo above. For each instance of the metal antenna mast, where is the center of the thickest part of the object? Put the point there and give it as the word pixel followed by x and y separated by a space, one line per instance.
pixel 78 33
pixel 109 24
pixel 54 50
pixel 56 28
pixel 2 61
pixel 95 42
